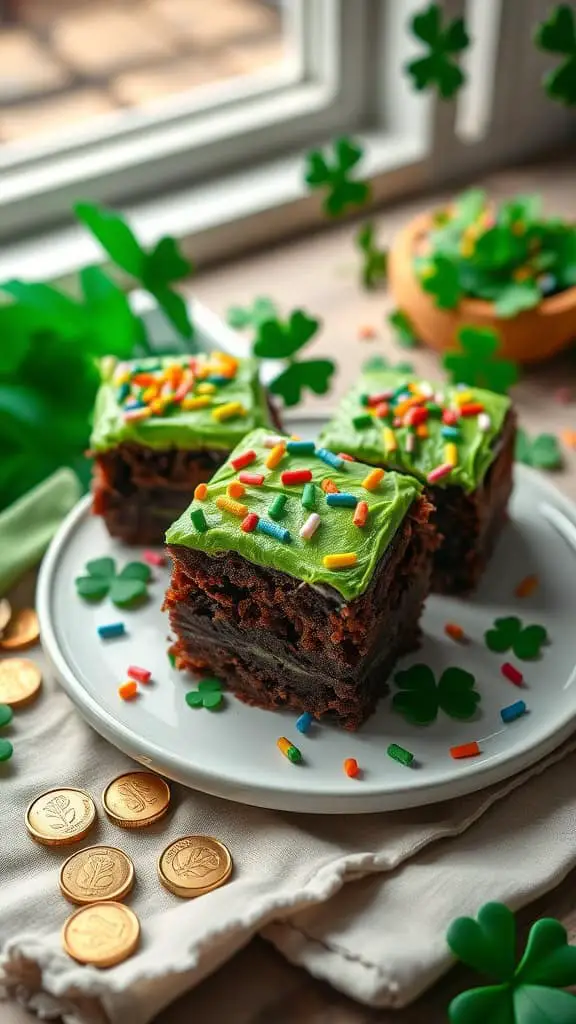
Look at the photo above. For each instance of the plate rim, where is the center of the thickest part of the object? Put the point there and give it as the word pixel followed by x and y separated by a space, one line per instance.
pixel 370 799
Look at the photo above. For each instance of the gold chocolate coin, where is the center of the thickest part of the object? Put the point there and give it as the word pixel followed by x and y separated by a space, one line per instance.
pixel 136 799
pixel 60 816
pixel 102 934
pixel 194 865
pixel 5 614
pixel 95 874
pixel 22 631
pixel 20 682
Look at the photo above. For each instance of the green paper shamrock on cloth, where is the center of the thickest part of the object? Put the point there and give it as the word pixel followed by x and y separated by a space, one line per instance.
pixel 374 260
pixel 155 269
pixel 129 586
pixel 438 69
pixel 334 176
pixel 530 993
pixel 543 452
pixel 439 276
pixel 509 633
pixel 208 695
pixel 261 309
pixel 375 363
pixel 476 363
pixel 403 328
pixel 277 339
pixel 558 35
pixel 421 698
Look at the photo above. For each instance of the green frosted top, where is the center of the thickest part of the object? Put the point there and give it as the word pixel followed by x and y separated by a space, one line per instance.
pixel 154 402
pixel 377 423
pixel 208 527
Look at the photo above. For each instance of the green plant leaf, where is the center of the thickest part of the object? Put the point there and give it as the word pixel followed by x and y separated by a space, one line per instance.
pixel 557 34
pixel 468 206
pixel 402 325
pixel 314 374
pixel 498 248
pixel 175 310
pixel 487 944
pixel 114 235
pixel 548 959
pixel 165 264
pixel 437 69
pixel 537 1005
pixel 14 324
pixel 491 1005
pixel 111 326
pixel 441 279
pixel 516 297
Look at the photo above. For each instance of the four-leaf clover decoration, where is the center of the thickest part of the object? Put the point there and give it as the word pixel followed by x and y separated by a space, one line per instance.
pixel 124 589
pixel 558 35
pixel 476 363
pixel 374 260
pixel 278 339
pixel 420 697
pixel 509 633
pixel 438 68
pixel 543 452
pixel 334 175
pixel 208 695
pixel 530 993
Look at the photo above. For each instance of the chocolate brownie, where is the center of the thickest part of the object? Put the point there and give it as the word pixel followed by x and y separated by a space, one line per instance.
pixel 163 426
pixel 458 441
pixel 300 578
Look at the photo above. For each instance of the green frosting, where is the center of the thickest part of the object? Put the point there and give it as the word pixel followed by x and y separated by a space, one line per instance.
pixel 336 534
pixel 193 429
pixel 365 438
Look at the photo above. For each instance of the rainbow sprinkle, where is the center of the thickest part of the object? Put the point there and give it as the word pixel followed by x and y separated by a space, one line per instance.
pixel 273 530
pixel 342 561
pixel 370 482
pixel 310 526
pixel 234 507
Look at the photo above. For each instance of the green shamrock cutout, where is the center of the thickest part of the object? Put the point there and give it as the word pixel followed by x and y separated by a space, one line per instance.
pixel 261 309
pixel 543 452
pixel 315 374
pixel 334 176
pixel 403 328
pixel 375 363
pixel 374 260
pixel 421 698
pixel 123 589
pixel 438 68
pixel 439 276
pixel 508 633
pixel 530 993
pixel 278 339
pixel 558 35
pixel 476 362
pixel 208 695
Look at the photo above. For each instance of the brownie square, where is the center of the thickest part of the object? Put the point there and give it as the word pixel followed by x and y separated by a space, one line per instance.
pixel 163 426
pixel 268 610
pixel 458 441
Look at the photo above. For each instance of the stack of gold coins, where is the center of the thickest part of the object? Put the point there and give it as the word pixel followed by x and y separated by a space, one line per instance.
pixel 19 630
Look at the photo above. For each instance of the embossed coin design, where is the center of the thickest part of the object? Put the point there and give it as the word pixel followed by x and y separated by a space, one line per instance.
pixel 136 799
pixel 60 816
pixel 22 631
pixel 5 614
pixel 102 934
pixel 20 682
pixel 194 865
pixel 95 874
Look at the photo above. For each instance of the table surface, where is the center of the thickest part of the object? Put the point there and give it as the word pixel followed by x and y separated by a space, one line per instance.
pixel 320 274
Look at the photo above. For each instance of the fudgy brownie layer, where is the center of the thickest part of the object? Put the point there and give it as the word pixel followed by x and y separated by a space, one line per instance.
pixel 279 642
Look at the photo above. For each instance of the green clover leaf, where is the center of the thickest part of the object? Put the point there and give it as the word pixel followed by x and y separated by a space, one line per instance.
pixel 509 633
pixel 517 296
pixel 529 993
pixel 129 586
pixel 403 328
pixel 261 309
pixel 277 339
pixel 374 260
pixel 208 695
pixel 438 69
pixel 440 277
pixel 333 174
pixel 420 698
pixel 475 363
pixel 315 374
pixel 543 452
pixel 558 35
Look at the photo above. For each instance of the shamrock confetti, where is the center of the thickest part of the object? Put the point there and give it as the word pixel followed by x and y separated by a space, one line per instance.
pixel 525 641
pixel 530 993
pixel 476 364
pixel 261 309
pixel 129 586
pixel 405 334
pixel 440 277
pixel 374 260
pixel 543 452
pixel 277 339
pixel 208 695
pixel 421 697
pixel 314 374
pixel 155 269
pixel 558 35
pixel 341 190
pixel 438 68
pixel 375 363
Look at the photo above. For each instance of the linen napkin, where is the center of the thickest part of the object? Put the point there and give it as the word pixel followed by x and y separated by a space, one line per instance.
pixel 362 902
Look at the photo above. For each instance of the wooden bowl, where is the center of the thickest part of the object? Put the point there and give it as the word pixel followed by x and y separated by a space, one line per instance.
pixel 531 336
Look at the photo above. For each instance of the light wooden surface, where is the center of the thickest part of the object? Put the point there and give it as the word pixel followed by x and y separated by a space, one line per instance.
pixel 319 273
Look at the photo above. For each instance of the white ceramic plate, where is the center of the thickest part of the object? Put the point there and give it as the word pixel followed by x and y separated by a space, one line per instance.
pixel 232 753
